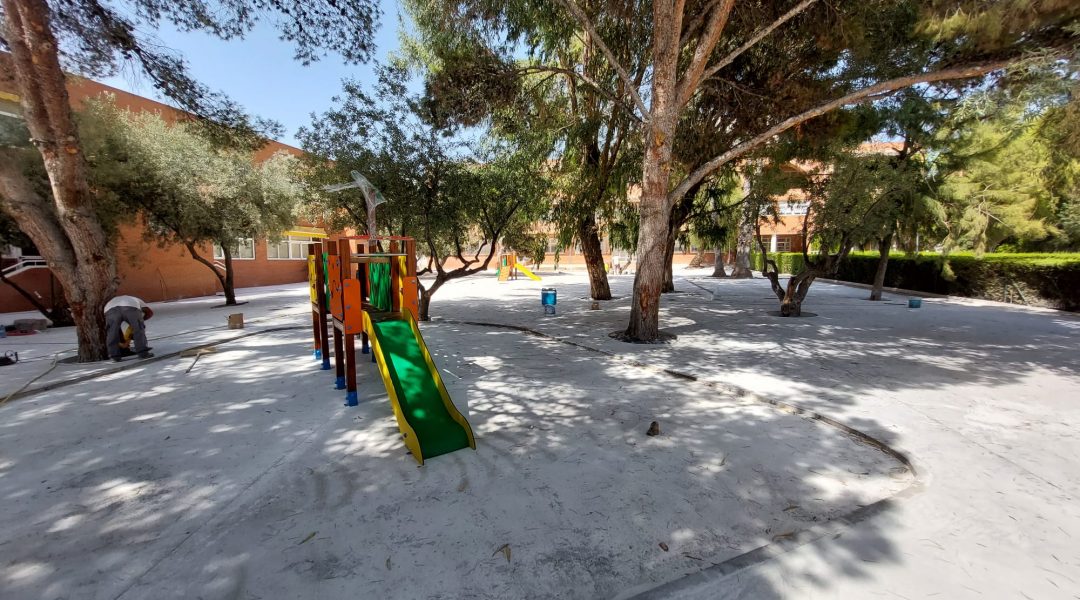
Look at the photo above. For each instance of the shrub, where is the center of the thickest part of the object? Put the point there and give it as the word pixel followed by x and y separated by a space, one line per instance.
pixel 787 262
pixel 1041 279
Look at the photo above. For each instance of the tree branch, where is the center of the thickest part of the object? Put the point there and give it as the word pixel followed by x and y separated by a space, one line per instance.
pixel 706 44
pixel 199 258
pixel 962 72
pixel 754 39
pixel 585 79
pixel 583 20
pixel 691 27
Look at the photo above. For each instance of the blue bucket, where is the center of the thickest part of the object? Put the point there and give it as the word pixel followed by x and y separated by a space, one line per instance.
pixel 548 298
pixel 914 302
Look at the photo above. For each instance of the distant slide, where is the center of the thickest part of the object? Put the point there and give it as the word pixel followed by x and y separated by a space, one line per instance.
pixel 426 416
pixel 528 273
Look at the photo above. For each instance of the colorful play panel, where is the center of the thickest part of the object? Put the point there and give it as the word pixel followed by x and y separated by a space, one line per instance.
pixel 362 289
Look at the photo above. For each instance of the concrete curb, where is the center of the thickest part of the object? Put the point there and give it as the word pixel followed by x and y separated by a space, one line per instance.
pixel 766 552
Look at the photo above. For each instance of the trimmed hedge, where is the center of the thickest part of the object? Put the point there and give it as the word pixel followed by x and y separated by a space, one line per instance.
pixel 1051 280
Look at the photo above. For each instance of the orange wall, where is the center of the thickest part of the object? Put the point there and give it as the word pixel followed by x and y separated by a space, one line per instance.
pixel 155 273
pixel 145 268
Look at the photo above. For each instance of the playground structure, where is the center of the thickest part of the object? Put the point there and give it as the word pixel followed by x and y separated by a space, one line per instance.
pixel 509 268
pixel 375 294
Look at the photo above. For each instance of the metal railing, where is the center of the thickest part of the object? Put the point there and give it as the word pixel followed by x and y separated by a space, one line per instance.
pixel 25 263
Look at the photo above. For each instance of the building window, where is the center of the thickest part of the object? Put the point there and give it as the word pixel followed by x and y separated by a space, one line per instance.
pixel 291 247
pixel 244 250
pixel 793 208
pixel 783 243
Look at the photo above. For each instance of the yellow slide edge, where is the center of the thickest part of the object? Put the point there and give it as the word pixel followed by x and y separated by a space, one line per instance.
pixel 447 402
pixel 411 441
pixel 528 273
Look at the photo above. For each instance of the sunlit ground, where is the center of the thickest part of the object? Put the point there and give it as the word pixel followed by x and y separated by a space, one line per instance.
pixel 247 478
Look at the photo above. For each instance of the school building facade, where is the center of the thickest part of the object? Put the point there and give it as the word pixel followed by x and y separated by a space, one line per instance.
pixel 146 268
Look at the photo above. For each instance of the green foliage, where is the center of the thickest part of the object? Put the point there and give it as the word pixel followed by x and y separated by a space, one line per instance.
pixel 998 187
pixel 471 52
pixel 791 263
pixel 1047 279
pixel 457 199
pixel 532 246
pixel 190 190
pixel 713 220
pixel 102 37
pixel 1010 159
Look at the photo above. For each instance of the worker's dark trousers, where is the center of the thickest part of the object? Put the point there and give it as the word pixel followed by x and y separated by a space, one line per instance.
pixel 115 317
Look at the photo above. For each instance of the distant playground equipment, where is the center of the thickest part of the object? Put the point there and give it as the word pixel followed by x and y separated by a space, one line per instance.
pixel 509 268
pixel 374 294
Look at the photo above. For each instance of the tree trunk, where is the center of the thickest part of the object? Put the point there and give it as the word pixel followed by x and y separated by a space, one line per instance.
pixel 718 263
pixel 698 260
pixel 745 240
pixel 425 304
pixel 427 292
pixel 792 296
pixel 594 258
pixel 669 264
pixel 680 212
pixel 65 228
pixel 224 279
pixel 655 207
pixel 228 282
pixel 884 245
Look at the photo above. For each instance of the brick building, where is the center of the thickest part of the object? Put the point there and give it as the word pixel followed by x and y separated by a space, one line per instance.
pixel 146 268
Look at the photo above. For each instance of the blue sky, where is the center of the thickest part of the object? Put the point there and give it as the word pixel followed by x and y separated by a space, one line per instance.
pixel 259 71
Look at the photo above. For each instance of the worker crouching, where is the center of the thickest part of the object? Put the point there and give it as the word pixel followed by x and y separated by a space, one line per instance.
pixel 130 310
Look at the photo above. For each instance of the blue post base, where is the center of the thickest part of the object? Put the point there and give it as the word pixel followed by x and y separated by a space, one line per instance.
pixel 340 385
pixel 350 399
pixel 325 364
pixel 317 354
pixel 364 350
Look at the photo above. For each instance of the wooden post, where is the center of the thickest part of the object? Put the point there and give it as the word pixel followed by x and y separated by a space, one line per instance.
pixel 345 253
pixel 395 279
pixel 320 312
pixel 410 293
pixel 363 274
pixel 339 354
pixel 313 267
pixel 339 359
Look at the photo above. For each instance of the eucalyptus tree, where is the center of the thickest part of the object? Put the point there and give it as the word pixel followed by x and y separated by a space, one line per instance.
pixel 845 52
pixel 458 196
pixel 598 154
pixel 41 39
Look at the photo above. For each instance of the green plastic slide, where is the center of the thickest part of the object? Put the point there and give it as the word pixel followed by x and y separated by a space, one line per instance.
pixel 416 387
